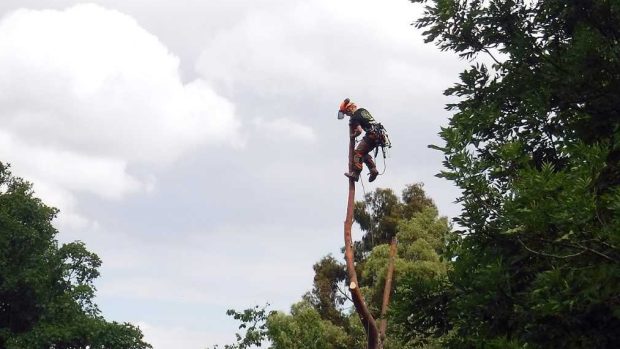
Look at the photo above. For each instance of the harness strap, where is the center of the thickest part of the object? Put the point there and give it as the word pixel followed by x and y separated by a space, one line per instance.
pixel 383 140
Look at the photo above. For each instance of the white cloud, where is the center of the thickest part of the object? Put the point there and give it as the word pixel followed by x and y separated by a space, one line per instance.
pixel 86 92
pixel 182 337
pixel 284 128
pixel 96 80
pixel 73 171
pixel 204 269
pixel 301 48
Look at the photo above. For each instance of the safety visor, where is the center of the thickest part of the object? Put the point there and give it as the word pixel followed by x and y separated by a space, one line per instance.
pixel 343 108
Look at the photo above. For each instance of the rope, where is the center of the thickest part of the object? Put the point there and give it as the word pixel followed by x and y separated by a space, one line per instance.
pixel 363 188
pixel 372 236
pixel 384 164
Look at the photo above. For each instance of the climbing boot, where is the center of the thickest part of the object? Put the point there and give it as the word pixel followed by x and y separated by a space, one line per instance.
pixel 353 175
pixel 373 174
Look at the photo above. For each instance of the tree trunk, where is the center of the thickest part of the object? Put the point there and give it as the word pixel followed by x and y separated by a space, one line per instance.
pixel 368 321
pixel 387 291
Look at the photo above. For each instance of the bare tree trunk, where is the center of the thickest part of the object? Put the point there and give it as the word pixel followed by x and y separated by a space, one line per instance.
pixel 368 321
pixel 387 291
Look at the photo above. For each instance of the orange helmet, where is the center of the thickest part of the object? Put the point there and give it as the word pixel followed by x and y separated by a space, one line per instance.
pixel 343 107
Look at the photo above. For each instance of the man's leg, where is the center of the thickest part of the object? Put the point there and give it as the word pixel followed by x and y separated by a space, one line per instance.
pixel 358 159
pixel 370 141
pixel 372 167
pixel 361 156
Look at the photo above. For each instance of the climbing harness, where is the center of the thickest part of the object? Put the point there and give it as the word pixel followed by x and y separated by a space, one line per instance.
pixel 383 141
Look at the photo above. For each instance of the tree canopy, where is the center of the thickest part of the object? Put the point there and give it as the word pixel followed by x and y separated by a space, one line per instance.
pixel 534 144
pixel 46 289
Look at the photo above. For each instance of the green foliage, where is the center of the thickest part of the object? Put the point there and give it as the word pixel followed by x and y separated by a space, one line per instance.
pixel 378 217
pixel 419 315
pixel 422 238
pixel 380 213
pixel 327 295
pixel 534 144
pixel 46 290
pixel 418 310
pixel 253 321
pixel 303 328
pixel 425 226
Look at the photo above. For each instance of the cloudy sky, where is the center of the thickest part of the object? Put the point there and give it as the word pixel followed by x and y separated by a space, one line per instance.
pixel 194 146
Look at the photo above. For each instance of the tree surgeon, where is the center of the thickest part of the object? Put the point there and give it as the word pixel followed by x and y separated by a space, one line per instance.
pixel 374 136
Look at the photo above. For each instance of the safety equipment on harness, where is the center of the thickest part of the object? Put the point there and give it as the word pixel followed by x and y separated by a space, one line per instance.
pixel 383 140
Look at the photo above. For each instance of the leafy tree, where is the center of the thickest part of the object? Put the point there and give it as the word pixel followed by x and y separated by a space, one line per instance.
pixel 378 217
pixel 381 211
pixel 46 290
pixel 303 328
pixel 419 269
pixel 254 322
pixel 382 216
pixel 422 239
pixel 534 144
pixel 419 308
pixel 327 295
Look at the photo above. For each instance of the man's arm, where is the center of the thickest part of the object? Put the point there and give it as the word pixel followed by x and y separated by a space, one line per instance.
pixel 356 131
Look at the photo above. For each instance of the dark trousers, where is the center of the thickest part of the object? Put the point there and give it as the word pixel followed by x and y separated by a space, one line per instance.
pixel 361 154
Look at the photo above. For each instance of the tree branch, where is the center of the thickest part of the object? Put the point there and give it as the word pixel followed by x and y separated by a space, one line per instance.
pixel 579 245
pixel 343 293
pixel 548 254
pixel 387 290
pixel 490 54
